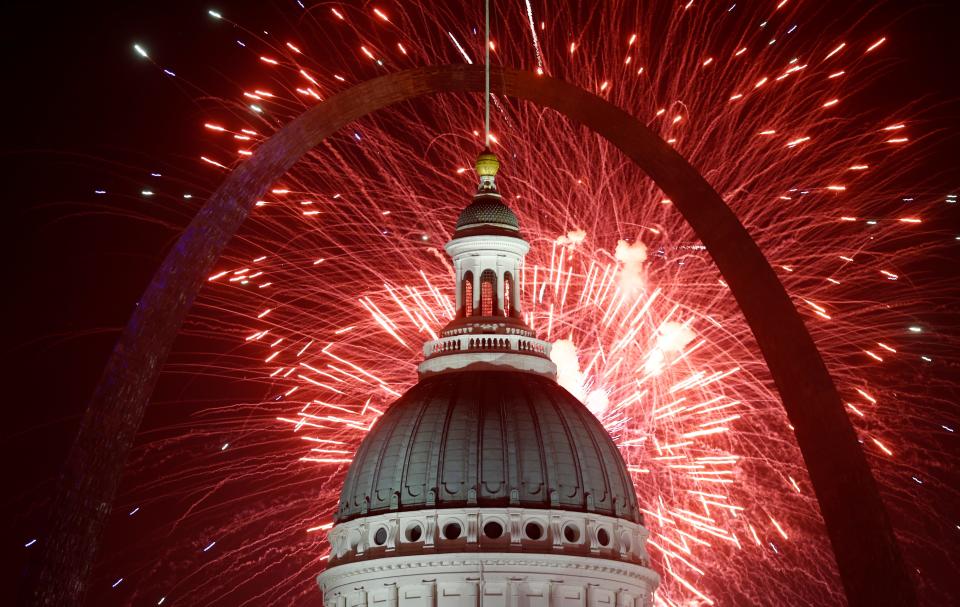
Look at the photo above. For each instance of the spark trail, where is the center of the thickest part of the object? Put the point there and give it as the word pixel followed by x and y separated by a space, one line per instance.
pixel 321 305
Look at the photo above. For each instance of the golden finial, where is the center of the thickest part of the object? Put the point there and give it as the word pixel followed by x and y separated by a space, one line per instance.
pixel 487 164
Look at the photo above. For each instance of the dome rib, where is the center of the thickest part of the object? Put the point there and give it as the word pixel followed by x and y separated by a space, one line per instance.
pixel 488 438
pixel 587 462
pixel 562 460
pixel 542 492
pixel 602 467
pixel 400 471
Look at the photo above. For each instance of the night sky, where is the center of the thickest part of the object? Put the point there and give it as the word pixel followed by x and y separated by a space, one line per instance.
pixel 82 111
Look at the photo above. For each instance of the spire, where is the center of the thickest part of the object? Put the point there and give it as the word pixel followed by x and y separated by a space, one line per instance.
pixel 486 77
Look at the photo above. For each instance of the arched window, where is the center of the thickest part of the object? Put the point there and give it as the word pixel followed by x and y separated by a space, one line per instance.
pixel 488 293
pixel 467 294
pixel 507 294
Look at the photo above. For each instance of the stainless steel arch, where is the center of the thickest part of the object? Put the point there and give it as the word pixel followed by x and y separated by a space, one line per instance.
pixel 864 545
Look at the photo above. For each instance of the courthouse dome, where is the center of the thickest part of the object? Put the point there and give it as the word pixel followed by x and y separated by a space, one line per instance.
pixel 487 484
pixel 488 439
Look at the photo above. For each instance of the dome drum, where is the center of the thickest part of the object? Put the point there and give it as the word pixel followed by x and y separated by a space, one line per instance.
pixel 503 530
pixel 484 579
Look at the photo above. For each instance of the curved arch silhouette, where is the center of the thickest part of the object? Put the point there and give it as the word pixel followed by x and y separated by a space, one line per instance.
pixel 866 551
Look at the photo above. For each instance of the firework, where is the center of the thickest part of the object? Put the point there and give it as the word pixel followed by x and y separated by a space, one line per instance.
pixel 316 315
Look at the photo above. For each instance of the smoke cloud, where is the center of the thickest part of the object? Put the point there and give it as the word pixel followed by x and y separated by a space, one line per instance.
pixel 672 338
pixel 572 238
pixel 564 355
pixel 631 256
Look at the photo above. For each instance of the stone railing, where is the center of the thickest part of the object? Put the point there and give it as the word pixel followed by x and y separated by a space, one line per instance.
pixel 491 342
pixel 492 327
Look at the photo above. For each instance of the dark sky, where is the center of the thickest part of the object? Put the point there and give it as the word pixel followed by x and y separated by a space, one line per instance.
pixel 82 110
pixel 85 112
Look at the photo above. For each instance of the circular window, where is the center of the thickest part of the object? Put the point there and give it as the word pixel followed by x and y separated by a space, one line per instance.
pixel 603 536
pixel 571 533
pixel 413 533
pixel 534 531
pixel 493 530
pixel 380 537
pixel 451 531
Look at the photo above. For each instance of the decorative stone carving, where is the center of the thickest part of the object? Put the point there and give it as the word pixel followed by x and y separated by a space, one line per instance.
pixel 560 532
pixel 488 580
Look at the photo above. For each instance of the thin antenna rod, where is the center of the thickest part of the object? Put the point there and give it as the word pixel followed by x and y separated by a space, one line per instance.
pixel 486 69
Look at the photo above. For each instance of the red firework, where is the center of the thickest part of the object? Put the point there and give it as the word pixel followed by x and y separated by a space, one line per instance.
pixel 323 302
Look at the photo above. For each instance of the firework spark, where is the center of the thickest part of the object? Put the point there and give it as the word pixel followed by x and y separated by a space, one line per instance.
pixel 322 303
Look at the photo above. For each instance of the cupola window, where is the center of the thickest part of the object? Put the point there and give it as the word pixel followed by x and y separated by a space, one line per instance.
pixel 467 294
pixel 488 295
